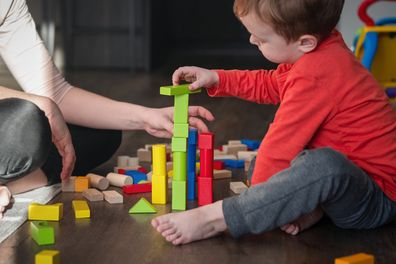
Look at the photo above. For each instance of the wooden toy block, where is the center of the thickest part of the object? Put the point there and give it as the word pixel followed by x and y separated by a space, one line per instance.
pixel 217 152
pixel 179 144
pixel 233 149
pixel 251 144
pixel 234 142
pixel 159 160
pixel 137 176
pixel 133 161
pixel 42 233
pixel 122 161
pixel 169 183
pixel 47 257
pixel 177 90
pixel 179 195
pixel 119 180
pixel 81 209
pixel 180 114
pixel 113 197
pixel 191 163
pixel 244 155
pixel 193 136
pixel 180 130
pixel 150 176
pixel 230 163
pixel 118 169
pixel 238 187
pixel 169 166
pixel 144 155
pixel 247 163
pixel 159 189
pixel 51 212
pixel 69 184
pixel 137 188
pixel 142 207
pixel 206 162
pixel 170 174
pixel 223 157
pixel 143 170
pixel 81 184
pixel 218 165
pixel 179 166
pixel 222 174
pixel 205 191
pixel 360 258
pixel 148 146
pixel 98 181
pixel 92 195
pixel 144 182
pixel 206 141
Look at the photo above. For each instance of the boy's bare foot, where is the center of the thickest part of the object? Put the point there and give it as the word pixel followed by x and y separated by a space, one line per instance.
pixel 33 180
pixel 5 198
pixel 185 227
pixel 304 222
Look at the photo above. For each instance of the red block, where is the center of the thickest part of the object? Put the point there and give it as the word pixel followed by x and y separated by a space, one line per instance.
pixel 143 170
pixel 168 157
pixel 219 148
pixel 206 163
pixel 121 171
pixel 218 165
pixel 206 141
pixel 137 188
pixel 205 191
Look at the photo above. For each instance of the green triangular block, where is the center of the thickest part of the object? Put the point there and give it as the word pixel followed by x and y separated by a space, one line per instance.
pixel 142 207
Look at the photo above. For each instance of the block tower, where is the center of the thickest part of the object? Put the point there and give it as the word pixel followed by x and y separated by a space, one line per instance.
pixel 205 179
pixel 159 178
pixel 179 142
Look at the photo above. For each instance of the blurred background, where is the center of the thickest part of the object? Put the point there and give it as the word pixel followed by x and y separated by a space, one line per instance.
pixel 127 49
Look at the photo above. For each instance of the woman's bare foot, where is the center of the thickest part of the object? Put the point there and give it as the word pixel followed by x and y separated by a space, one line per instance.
pixel 5 199
pixel 185 227
pixel 304 222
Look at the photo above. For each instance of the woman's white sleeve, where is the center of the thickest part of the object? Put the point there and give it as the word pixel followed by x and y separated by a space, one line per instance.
pixel 25 55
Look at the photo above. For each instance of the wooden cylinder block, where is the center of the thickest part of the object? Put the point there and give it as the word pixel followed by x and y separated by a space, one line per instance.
pixel 98 182
pixel 119 180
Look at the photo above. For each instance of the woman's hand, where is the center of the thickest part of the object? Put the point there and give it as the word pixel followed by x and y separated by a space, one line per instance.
pixel 159 121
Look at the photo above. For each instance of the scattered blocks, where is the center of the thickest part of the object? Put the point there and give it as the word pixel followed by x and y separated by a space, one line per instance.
pixel 47 257
pixel 144 155
pixel 53 212
pixel 142 207
pixel 113 197
pixel 252 144
pixel 69 184
pixel 98 182
pixel 360 258
pixel 133 161
pixel 122 161
pixel 137 188
pixel 137 176
pixel 119 180
pixel 218 165
pixel 223 157
pixel 93 195
pixel 81 209
pixel 42 233
pixel 238 187
pixel 81 184
pixel 234 149
pixel 244 155
pixel 234 142
pixel 234 163
pixel 222 174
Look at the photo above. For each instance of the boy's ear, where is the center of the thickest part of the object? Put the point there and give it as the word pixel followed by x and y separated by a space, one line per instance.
pixel 307 43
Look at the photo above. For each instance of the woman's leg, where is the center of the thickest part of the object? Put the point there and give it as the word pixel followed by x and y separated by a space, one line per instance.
pixel 316 177
pixel 92 146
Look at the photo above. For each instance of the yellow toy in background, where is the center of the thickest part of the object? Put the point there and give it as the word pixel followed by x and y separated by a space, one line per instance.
pixel 375 47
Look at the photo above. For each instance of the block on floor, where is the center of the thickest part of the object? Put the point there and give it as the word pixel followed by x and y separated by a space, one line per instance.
pixel 144 155
pixel 93 195
pixel 50 212
pixel 113 197
pixel 42 233
pixel 142 207
pixel 81 209
pixel 221 174
pixel 360 258
pixel 238 187
pixel 69 184
pixel 47 257
pixel 81 184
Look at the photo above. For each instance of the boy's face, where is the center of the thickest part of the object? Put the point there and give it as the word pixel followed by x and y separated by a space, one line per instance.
pixel 273 46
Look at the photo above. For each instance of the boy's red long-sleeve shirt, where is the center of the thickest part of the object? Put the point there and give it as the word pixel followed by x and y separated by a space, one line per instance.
pixel 326 99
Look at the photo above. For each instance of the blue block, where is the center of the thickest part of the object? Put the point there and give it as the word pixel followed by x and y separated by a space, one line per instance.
pixel 193 136
pixel 234 163
pixel 191 193
pixel 252 144
pixel 137 176
pixel 191 160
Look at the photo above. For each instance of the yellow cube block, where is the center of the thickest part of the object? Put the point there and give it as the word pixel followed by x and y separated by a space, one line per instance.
pixel 47 257
pixel 81 184
pixel 81 209
pixel 159 160
pixel 50 212
pixel 159 189
pixel 360 258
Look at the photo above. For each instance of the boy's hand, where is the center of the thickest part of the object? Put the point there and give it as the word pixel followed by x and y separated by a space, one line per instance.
pixel 198 77
pixel 159 122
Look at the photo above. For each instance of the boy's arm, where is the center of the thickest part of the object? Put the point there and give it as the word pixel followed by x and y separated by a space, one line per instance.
pixel 304 110
pixel 260 86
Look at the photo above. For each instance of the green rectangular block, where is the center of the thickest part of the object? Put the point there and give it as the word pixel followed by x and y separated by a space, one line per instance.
pixel 180 130
pixel 177 90
pixel 42 233
pixel 179 144
pixel 179 195
pixel 179 166
pixel 181 109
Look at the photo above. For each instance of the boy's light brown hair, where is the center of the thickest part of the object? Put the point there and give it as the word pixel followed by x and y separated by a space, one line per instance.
pixel 294 18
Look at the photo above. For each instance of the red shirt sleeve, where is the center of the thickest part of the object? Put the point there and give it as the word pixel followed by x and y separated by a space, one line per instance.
pixel 260 86
pixel 305 106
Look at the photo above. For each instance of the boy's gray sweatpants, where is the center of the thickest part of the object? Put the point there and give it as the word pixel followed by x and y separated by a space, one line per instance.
pixel 321 177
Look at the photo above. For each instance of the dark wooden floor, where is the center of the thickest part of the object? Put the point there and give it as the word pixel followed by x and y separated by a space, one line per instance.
pixel 114 236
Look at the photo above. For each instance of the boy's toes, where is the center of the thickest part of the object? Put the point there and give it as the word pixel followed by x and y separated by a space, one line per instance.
pixel 169 232
pixel 173 237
